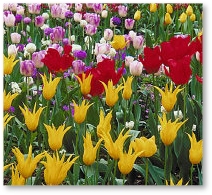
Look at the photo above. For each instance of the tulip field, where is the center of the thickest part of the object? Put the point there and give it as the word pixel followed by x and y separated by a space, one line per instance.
pixel 103 94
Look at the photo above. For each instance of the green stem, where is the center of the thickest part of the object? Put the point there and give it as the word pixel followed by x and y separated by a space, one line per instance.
pixel 123 176
pixel 191 176
pixel 146 171
pixel 155 100
pixel 165 163
pixel 114 171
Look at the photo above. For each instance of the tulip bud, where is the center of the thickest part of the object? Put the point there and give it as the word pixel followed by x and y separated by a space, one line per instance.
pixel 104 13
pixel 153 7
pixel 39 21
pixel 128 60
pixel 169 8
pixel 168 19
pixel 12 50
pixel 78 66
pixel 136 68
pixel 193 17
pixel 15 37
pixel 90 29
pixel 9 20
pixel 183 17
pixel 122 10
pixel 77 17
pixel 137 15
pixel 37 57
pixel 189 10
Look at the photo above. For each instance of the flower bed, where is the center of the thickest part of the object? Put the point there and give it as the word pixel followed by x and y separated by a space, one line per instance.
pixel 103 94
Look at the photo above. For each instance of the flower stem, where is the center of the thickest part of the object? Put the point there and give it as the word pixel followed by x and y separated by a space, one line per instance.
pixel 114 171
pixel 191 176
pixel 165 163
pixel 146 171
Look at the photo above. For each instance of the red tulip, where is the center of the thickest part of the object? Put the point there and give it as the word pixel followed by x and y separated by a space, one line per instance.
pixel 151 60
pixel 56 62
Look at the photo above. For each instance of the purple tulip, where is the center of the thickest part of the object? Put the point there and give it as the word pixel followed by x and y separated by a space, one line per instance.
pixel 27 67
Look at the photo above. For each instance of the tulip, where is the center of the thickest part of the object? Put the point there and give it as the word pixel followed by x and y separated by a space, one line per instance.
pixel 55 136
pixel 169 129
pixel 148 146
pixel 128 60
pixel 189 10
pixel 78 7
pixel 17 178
pixel 196 149
pixel 56 169
pixel 127 160
pixel 12 50
pixel 122 10
pixel 34 8
pixel 9 20
pixel 37 57
pixel 104 125
pixel 80 111
pixel 168 19
pixel 108 34
pixel 179 183
pixel 97 7
pixel 138 42
pixel 153 7
pixel 193 17
pixel 78 66
pixel 136 68
pixel 27 68
pixel 30 48
pixel 85 83
pixel 49 88
pixel 31 118
pixel 58 34
pixel 118 42
pixel 77 17
pixel 127 92
pixel 90 29
pixel 39 21
pixel 89 154
pixel 137 15
pixel 26 166
pixel 9 63
pixel 6 119
pixel 129 23
pixel 115 149
pixel 183 17
pixel 15 38
pixel 7 166
pixel 169 97
pixel 8 98
pixel 104 13
pixel 111 93
pixel 169 8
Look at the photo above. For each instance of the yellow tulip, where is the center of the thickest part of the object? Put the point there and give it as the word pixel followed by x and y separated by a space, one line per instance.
pixel 104 124
pixel 31 118
pixel 183 17
pixel 169 8
pixel 118 42
pixel 7 166
pixel 85 83
pixel 169 129
pixel 80 111
pixel 56 169
pixel 148 146
pixel 189 10
pixel 49 88
pixel 169 97
pixel 26 166
pixel 153 7
pixel 196 149
pixel 111 93
pixel 55 136
pixel 127 160
pixel 89 154
pixel 17 178
pixel 168 19
pixel 137 15
pixel 9 64
pixel 7 118
pixel 179 183
pixel 193 17
pixel 8 98
pixel 127 92
pixel 114 149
